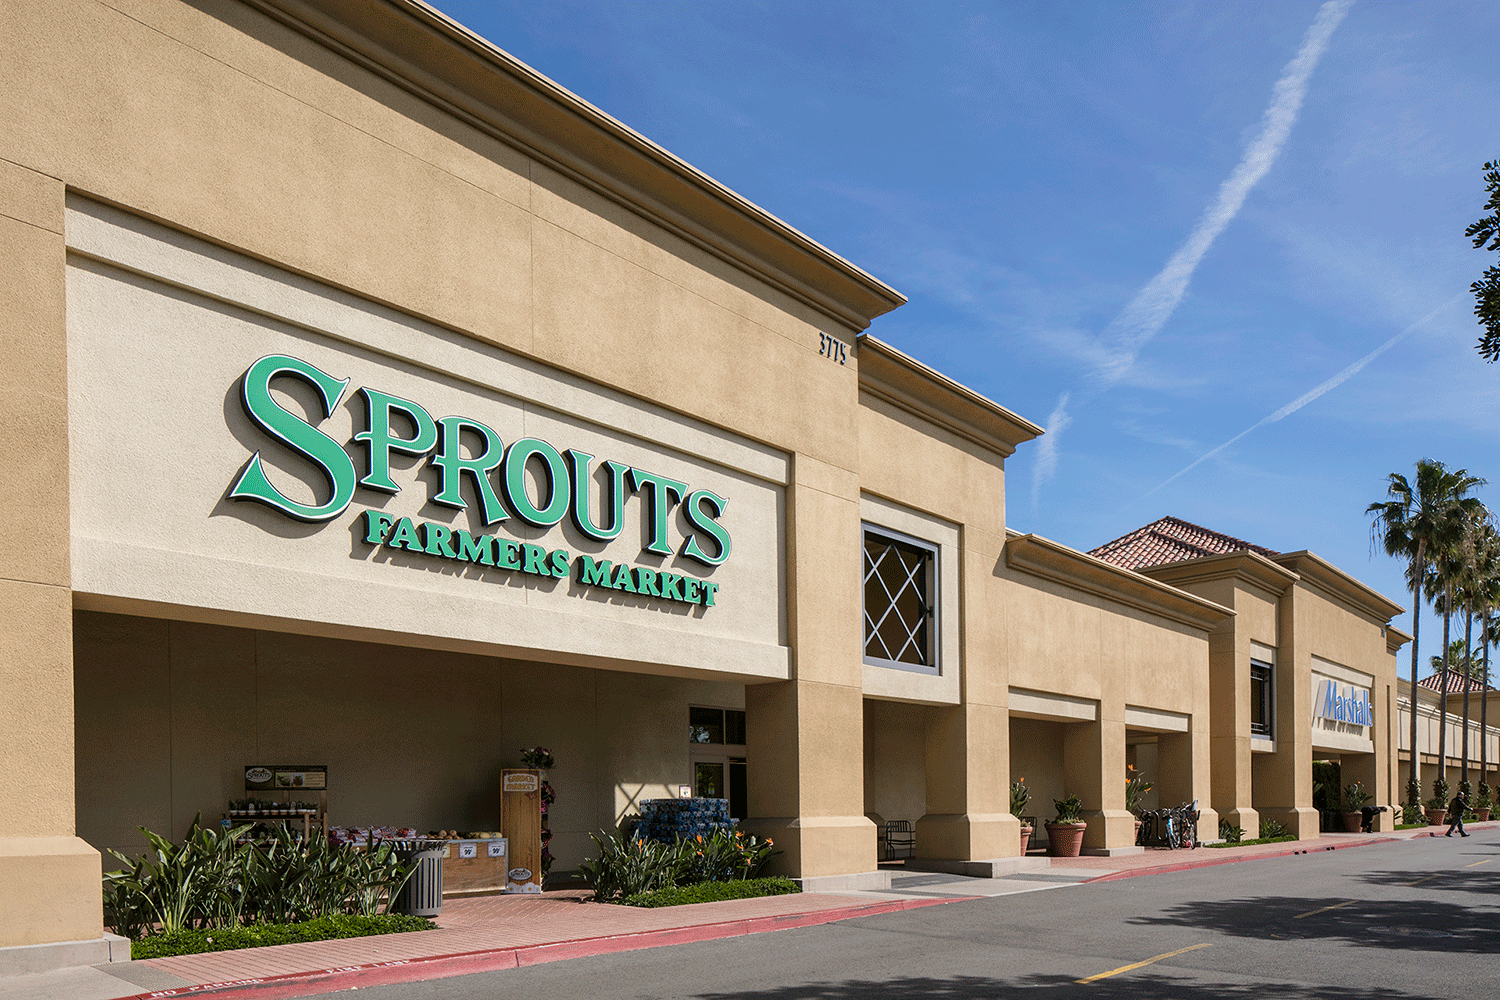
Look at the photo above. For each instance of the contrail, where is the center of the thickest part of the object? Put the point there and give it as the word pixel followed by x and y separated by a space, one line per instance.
pixel 1298 403
pixel 1154 304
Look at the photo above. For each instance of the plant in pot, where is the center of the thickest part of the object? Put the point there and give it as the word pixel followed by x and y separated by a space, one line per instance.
pixel 1136 787
pixel 1355 798
pixel 1019 796
pixel 1437 806
pixel 1065 833
pixel 1483 802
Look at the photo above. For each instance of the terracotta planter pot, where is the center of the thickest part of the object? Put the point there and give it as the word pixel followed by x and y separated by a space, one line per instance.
pixel 1482 815
pixel 1026 832
pixel 1435 817
pixel 1351 822
pixel 1137 839
pixel 1065 840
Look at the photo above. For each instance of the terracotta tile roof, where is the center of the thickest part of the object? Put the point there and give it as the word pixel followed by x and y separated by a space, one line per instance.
pixel 1171 539
pixel 1456 683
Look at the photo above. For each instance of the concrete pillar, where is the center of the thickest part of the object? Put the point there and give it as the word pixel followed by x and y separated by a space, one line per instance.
pixel 1180 759
pixel 805 736
pixel 1283 780
pixel 1231 788
pixel 1094 770
pixel 49 879
pixel 968 794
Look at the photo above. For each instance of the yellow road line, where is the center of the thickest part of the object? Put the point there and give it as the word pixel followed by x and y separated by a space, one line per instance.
pixel 1325 909
pixel 1478 863
pixel 1137 965
pixel 1427 879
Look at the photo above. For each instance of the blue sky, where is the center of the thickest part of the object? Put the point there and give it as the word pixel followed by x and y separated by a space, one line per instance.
pixel 1151 226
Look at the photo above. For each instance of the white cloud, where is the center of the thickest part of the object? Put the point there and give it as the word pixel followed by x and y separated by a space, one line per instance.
pixel 1145 315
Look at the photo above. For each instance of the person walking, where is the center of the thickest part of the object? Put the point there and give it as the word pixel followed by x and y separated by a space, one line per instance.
pixel 1456 809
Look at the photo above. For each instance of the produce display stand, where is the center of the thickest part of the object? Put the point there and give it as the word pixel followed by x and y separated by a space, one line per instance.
pixel 282 789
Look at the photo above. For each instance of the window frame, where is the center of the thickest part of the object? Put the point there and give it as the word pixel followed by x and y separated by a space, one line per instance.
pixel 933 601
pixel 1266 672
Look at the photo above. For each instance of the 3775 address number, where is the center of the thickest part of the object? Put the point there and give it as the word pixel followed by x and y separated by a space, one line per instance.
pixel 833 348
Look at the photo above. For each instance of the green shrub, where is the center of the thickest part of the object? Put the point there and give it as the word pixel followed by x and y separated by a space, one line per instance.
pixel 1068 809
pixel 1019 796
pixel 217 880
pixel 193 942
pixel 629 866
pixel 726 856
pixel 1439 798
pixel 1270 829
pixel 1230 834
pixel 1259 840
pixel 712 892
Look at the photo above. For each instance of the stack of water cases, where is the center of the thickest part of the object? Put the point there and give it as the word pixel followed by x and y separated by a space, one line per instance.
pixel 667 820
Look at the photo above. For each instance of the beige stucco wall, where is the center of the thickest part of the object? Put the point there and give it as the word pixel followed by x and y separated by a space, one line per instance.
pixel 170 713
pixel 1111 657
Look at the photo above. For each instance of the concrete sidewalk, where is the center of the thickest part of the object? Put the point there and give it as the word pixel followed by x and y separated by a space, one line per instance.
pixel 495 932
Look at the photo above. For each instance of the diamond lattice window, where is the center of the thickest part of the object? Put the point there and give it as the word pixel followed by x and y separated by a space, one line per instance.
pixel 900 606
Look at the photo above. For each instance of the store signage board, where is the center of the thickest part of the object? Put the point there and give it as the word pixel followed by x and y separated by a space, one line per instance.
pixel 473 463
pixel 286 777
pixel 521 824
pixel 1347 704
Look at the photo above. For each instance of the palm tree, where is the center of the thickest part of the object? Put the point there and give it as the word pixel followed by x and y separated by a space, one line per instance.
pixel 1476 567
pixel 1413 523
pixel 1458 658
pixel 1484 586
pixel 1452 553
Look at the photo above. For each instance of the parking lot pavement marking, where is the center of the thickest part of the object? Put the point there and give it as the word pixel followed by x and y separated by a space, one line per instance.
pixel 1478 863
pixel 1325 909
pixel 1427 879
pixel 1137 965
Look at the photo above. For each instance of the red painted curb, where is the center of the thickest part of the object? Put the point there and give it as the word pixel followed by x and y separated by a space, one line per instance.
pixel 299 984
pixel 1211 862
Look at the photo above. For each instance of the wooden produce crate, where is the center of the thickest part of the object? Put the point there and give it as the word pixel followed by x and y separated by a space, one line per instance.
pixel 483 872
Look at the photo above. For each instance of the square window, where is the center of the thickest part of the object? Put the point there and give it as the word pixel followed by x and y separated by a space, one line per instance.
pixel 900 601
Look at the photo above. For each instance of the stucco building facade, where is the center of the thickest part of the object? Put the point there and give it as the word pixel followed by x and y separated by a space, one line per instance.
pixel 373 401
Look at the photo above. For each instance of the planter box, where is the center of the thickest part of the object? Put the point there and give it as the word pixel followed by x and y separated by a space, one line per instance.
pixel 1435 817
pixel 1351 822
pixel 1065 840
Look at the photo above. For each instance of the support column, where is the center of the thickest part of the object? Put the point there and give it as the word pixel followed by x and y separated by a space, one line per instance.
pixel 805 736
pixel 1284 778
pixel 50 896
pixel 1230 754
pixel 1181 763
pixel 1094 770
pixel 968 797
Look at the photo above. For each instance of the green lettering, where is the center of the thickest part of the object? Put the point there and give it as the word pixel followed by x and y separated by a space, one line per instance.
pixel 559 562
pixel 664 495
pixel 709 589
pixel 624 579
pixel 381 442
pixel 669 582
pixel 645 581
pixel 405 536
pixel 690 589
pixel 437 540
pixel 297 434
pixel 473 549
pixel 450 459
pixel 594 573
pixel 553 487
pixel 506 554
pixel 708 524
pixel 376 525
pixel 536 559
pixel 583 482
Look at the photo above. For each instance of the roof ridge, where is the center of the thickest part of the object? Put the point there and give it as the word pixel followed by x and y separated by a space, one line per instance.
pixel 1171 539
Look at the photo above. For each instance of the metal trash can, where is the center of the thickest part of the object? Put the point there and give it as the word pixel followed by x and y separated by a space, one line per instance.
pixel 422 895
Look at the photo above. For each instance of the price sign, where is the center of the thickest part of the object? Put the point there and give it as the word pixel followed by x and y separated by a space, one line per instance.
pixel 468 849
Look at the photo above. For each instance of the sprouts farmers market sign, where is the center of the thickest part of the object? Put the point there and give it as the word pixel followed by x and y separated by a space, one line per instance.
pixel 497 476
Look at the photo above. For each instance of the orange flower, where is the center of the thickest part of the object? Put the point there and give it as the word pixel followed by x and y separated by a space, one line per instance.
pixel 770 841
